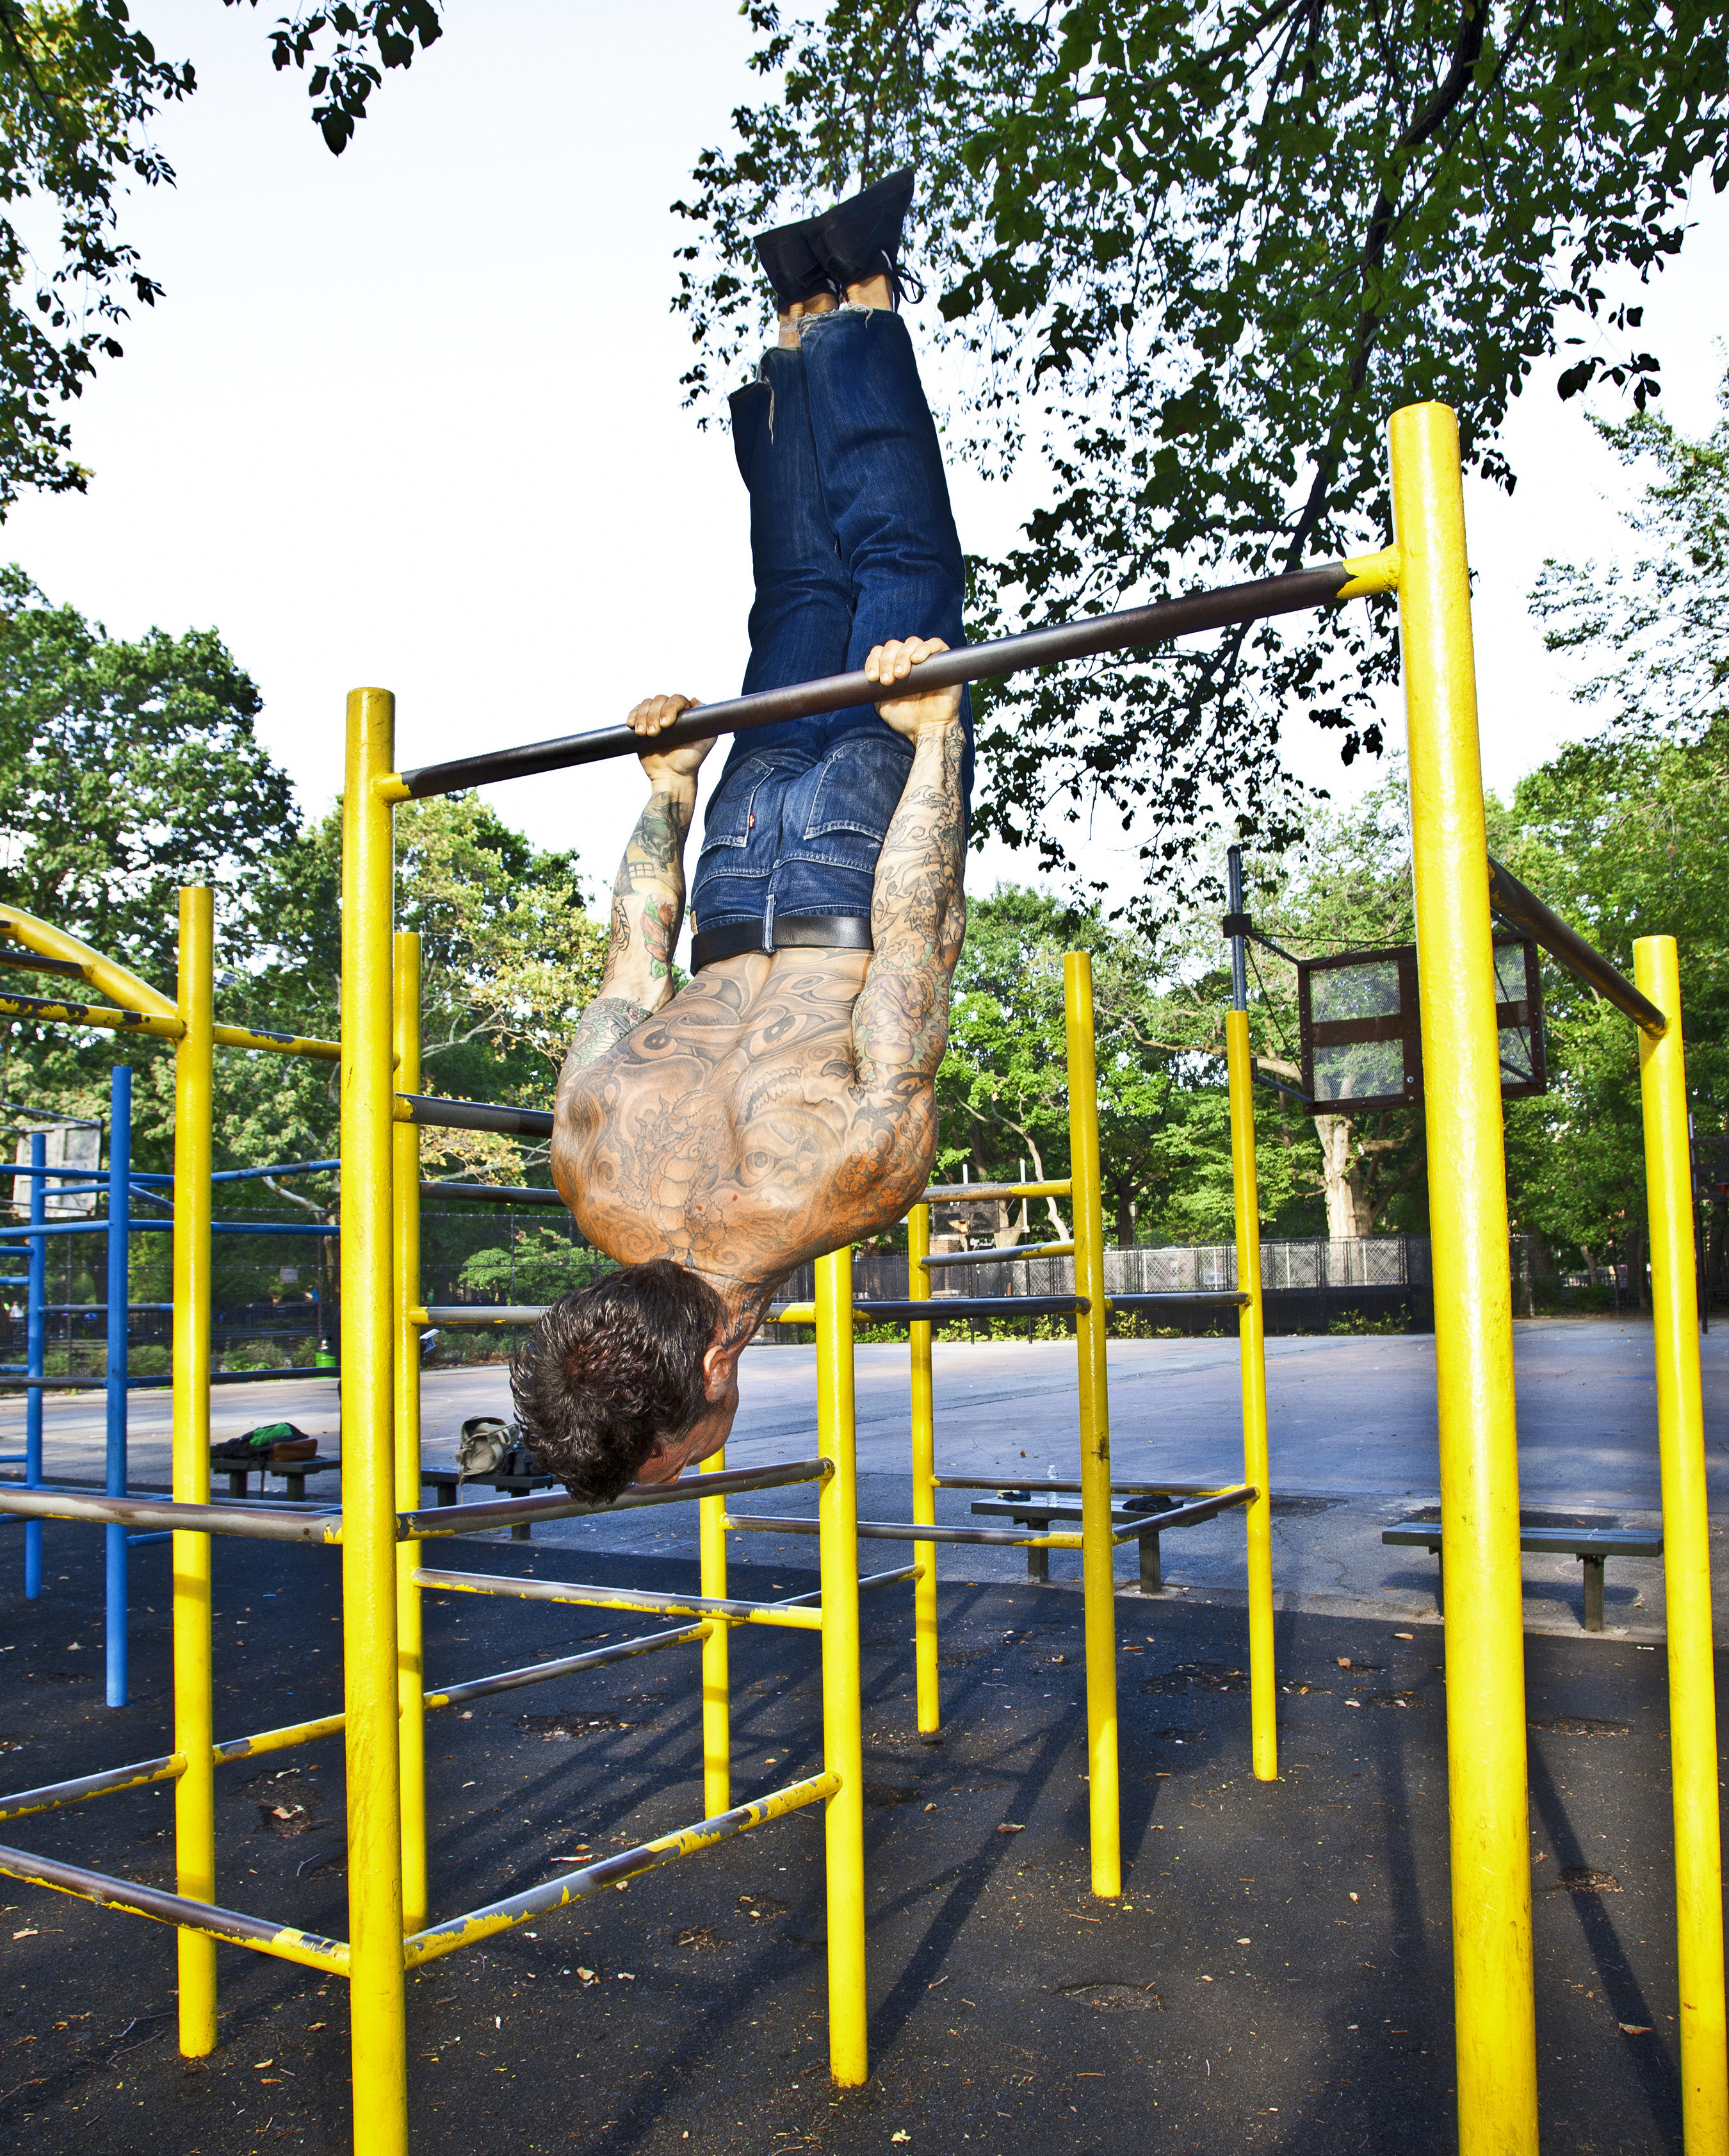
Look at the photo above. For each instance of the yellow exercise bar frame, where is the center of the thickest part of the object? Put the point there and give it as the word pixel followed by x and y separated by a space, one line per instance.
pixel 1427 568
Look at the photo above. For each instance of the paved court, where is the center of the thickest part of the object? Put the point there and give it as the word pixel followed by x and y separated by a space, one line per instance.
pixel 1352 1426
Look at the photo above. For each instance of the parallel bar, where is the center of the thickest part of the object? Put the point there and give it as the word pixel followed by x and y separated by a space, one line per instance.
pixel 1187 1516
pixel 1524 910
pixel 435 1113
pixel 941 1193
pixel 493 1193
pixel 52 1010
pixel 259 1522
pixel 512 1511
pixel 940 1309
pixel 629 1863
pixel 1687 1562
pixel 592 1658
pixel 445 1314
pixel 916 1532
pixel 620 1598
pixel 1011 1256
pixel 201 1919
pixel 1039 1485
pixel 53 1796
pixel 1190 615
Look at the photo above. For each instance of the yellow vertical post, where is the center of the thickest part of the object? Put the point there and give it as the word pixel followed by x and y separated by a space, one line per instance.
pixel 924 1477
pixel 1495 2020
pixel 1263 1688
pixel 1098 1555
pixel 716 1671
pixel 377 2051
pixel 1687 1562
pixel 842 1740
pixel 194 1732
pixel 405 1296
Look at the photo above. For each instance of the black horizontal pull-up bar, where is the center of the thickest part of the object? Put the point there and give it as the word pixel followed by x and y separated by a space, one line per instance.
pixel 1526 910
pixel 1086 638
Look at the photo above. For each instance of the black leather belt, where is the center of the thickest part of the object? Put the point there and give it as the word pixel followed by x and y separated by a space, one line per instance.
pixel 791 932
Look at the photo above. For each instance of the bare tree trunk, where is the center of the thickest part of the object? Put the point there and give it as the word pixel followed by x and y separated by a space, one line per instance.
pixel 1348 1210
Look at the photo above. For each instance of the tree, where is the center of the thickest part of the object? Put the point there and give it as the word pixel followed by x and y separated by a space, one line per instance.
pixel 1626 835
pixel 1194 256
pixel 128 770
pixel 79 88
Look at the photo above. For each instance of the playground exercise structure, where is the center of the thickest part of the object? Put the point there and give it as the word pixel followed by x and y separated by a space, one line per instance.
pixel 381 1530
pixel 122 1186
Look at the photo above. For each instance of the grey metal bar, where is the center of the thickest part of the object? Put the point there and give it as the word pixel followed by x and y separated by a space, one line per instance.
pixel 1524 910
pixel 510 1512
pixel 885 1531
pixel 483 1313
pixel 444 1938
pixel 1073 1489
pixel 1012 1254
pixel 940 1309
pixel 260 1522
pixel 593 1658
pixel 282 1940
pixel 1156 1298
pixel 1186 1515
pixel 493 1193
pixel 586 1594
pixel 435 1113
pixel 1136 626
pixel 52 1795
pixel 943 1194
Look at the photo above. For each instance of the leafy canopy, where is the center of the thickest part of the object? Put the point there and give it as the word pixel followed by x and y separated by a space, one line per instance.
pixel 80 87
pixel 1188 259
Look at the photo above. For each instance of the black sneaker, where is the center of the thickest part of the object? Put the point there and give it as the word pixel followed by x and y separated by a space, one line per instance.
pixel 861 238
pixel 788 255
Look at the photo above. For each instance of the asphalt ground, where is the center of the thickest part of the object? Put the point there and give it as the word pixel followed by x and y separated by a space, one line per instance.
pixel 1276 1975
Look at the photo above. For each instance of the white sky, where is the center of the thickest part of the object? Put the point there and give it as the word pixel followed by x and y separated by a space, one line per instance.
pixel 410 416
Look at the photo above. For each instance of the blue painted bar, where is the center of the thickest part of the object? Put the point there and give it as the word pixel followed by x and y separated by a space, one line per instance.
pixel 120 1169
pixel 167 1227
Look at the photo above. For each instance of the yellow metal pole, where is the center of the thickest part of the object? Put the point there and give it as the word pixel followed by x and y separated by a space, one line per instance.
pixel 405 1203
pixel 194 1722
pixel 924 1478
pixel 378 2050
pixel 1251 1336
pixel 1687 1562
pixel 1098 1556
pixel 716 1671
pixel 843 1741
pixel 1495 2019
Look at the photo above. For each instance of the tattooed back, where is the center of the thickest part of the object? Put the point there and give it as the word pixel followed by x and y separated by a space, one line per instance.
pixel 734 1130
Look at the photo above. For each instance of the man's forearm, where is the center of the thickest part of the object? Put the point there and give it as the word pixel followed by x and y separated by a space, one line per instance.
pixel 649 898
pixel 918 917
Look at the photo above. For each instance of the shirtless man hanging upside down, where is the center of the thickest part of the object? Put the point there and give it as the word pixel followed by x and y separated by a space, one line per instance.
pixel 782 1104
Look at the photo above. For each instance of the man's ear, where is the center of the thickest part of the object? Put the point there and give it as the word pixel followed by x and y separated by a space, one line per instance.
pixel 717 1366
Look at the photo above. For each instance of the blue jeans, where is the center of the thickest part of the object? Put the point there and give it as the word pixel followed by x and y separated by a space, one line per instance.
pixel 852 542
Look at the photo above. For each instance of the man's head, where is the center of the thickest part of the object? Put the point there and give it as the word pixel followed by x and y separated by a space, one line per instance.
pixel 627 1380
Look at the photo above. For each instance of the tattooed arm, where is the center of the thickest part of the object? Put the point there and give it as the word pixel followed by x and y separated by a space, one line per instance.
pixel 918 909
pixel 649 895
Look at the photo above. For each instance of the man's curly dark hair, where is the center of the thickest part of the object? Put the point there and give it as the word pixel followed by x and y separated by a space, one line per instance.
pixel 608 1369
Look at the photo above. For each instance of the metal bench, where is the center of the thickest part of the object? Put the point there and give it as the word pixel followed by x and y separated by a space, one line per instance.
pixel 293 1472
pixel 1590 1545
pixel 1040 1514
